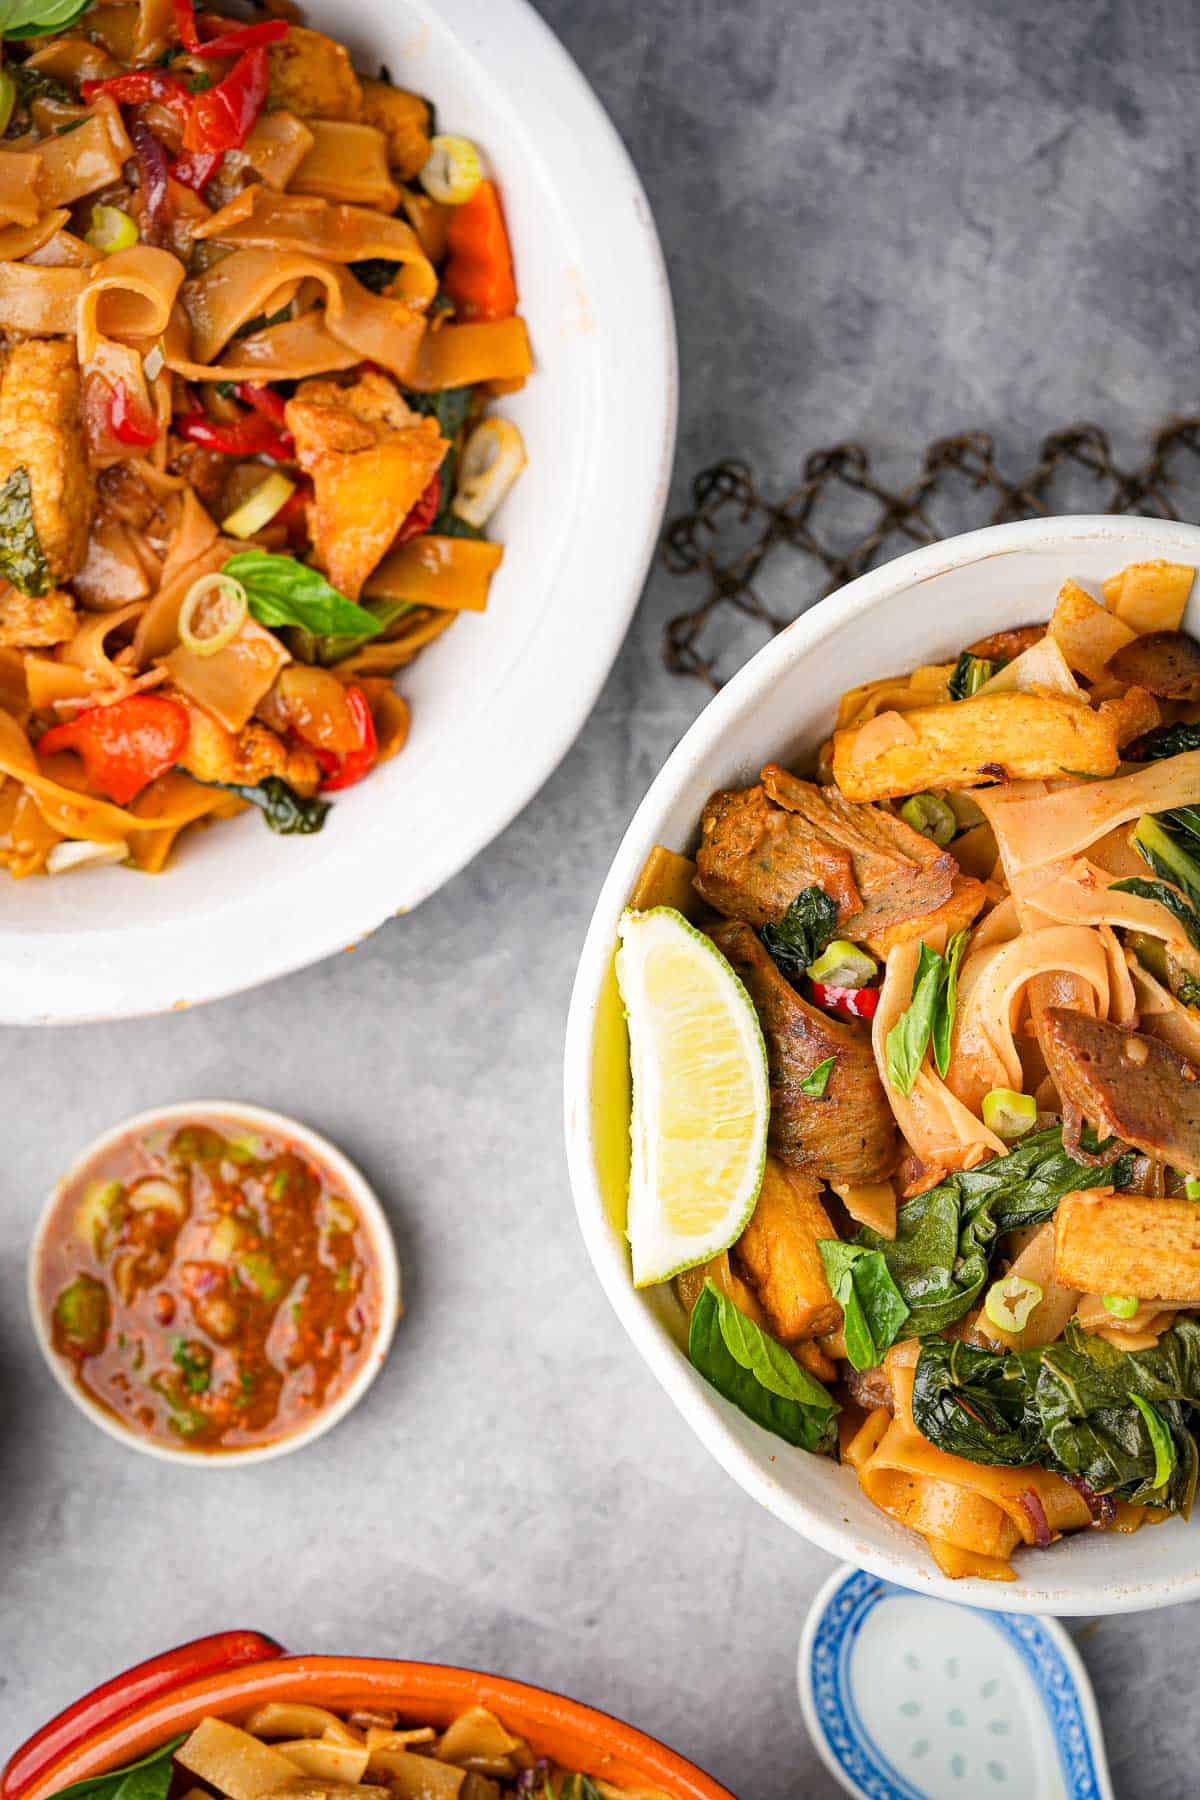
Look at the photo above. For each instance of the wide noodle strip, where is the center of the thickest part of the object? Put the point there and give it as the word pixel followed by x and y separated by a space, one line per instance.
pixel 289 351
pixel 461 355
pixel 276 147
pixel 98 821
pixel 128 295
pixel 443 572
pixel 1045 828
pixel 20 203
pixel 19 241
pixel 347 162
pixel 90 156
pixel 42 302
pixel 259 218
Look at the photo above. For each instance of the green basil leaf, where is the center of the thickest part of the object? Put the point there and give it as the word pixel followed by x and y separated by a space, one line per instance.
pixel 756 1374
pixel 1166 896
pixel 873 1308
pixel 1164 740
pixel 286 812
pixel 947 1004
pixel 802 933
pixel 908 1039
pixel 975 1403
pixel 22 559
pixel 1160 1439
pixel 331 649
pixel 40 20
pixel 282 591
pixel 1166 841
pixel 147 1779
pixel 970 673
pixel 814 1085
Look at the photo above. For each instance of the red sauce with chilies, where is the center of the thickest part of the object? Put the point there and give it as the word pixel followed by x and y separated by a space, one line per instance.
pixel 208 1284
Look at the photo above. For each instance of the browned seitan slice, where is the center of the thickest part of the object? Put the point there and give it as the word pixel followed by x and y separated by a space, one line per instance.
pixel 1127 1085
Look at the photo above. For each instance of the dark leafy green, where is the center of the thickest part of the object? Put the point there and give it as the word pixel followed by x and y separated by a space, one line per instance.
pixel 970 673
pixel 453 409
pixel 802 933
pixel 1164 740
pixel 945 1238
pixel 928 1016
pixel 263 321
pixel 147 1779
pixel 31 85
pixel 1121 1421
pixel 1166 896
pixel 22 559
pixel 282 591
pixel 814 1085
pixel 285 811
pixel 873 1308
pixel 757 1375
pixel 1168 842
pixel 374 272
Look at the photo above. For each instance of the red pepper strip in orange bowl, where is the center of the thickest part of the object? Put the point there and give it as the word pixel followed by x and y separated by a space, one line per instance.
pixel 123 746
pixel 478 276
pixel 117 1698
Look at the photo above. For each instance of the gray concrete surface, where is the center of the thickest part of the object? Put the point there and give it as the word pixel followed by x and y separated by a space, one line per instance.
pixel 884 220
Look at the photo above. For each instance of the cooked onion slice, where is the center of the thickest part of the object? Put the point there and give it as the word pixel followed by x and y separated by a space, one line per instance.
pixel 492 458
pixel 213 612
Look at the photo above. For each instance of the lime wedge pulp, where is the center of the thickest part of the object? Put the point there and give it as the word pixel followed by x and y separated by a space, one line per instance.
pixel 700 1095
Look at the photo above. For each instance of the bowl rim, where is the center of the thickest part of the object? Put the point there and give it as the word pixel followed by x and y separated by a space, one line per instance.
pixel 357 1189
pixel 607 1252
pixel 526 1707
pixel 90 972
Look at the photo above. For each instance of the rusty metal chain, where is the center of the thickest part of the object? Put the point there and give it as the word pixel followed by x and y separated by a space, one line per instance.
pixel 732 531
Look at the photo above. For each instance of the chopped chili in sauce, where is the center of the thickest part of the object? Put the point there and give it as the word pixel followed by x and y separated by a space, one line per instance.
pixel 212 1287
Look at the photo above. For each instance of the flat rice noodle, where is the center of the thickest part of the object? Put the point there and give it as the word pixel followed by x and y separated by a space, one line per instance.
pixel 1042 669
pixel 924 687
pixel 1087 633
pixel 195 532
pixel 866 1438
pixel 390 715
pixel 48 681
pixel 287 352
pixel 155 30
pixel 1161 1015
pixel 998 926
pixel 1045 828
pixel 42 302
pixel 82 161
pixel 63 250
pixel 463 355
pixel 958 1564
pixel 443 572
pixel 1048 1320
pixel 230 682
pixel 32 837
pixel 128 295
pixel 87 650
pixel 1077 893
pixel 258 218
pixel 158 628
pixel 938 1128
pixel 254 281
pixel 1150 596
pixel 347 162
pixel 1138 1332
pixel 97 821
pixel 871 1203
pixel 73 60
pixel 17 241
pixel 385 657
pixel 112 574
pixel 182 801
pixel 1122 1001
pixel 19 200
pixel 984 1053
pixel 1115 854
pixel 276 147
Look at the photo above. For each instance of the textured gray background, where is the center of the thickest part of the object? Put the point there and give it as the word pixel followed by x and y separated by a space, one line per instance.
pixel 884 220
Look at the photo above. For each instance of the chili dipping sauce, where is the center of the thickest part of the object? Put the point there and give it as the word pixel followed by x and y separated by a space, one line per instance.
pixel 210 1285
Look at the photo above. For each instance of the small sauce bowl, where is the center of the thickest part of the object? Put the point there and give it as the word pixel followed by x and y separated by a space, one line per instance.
pixel 208 1269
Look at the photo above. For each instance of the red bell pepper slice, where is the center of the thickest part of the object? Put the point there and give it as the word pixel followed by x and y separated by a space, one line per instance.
pixel 196 169
pixel 123 1695
pixel 251 435
pixel 224 43
pixel 123 746
pixel 221 118
pixel 423 513
pixel 478 276
pixel 139 87
pixel 343 769
pixel 127 421
pixel 852 1003
pixel 264 400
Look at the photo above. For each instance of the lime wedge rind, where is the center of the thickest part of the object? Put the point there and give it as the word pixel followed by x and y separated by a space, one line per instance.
pixel 701 1096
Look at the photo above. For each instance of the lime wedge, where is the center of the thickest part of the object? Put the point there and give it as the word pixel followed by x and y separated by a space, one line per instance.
pixel 700 1095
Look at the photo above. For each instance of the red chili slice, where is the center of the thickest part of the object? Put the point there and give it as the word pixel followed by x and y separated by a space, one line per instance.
pixel 852 1003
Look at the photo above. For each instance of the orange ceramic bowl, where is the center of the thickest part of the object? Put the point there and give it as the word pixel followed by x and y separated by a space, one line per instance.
pixel 575 1736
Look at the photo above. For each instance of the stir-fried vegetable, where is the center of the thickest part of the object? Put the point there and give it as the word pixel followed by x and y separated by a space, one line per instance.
pixel 124 746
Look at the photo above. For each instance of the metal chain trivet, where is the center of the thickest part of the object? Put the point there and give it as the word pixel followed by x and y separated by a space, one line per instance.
pixel 842 520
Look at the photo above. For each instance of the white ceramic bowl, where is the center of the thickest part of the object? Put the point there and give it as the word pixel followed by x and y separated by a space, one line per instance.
pixel 356 1189
pixel 919 608
pixel 497 701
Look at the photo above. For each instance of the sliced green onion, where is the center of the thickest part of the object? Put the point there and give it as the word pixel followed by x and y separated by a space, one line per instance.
pixel 843 964
pixel 930 815
pixel 1191 1187
pixel 1121 1306
pixel 453 170
pixel 222 617
pixel 1009 1114
pixel 1009 1302
pixel 152 363
pixel 259 507
pixel 8 98
pixel 111 230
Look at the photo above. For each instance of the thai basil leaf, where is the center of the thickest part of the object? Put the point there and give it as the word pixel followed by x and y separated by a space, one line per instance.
pixel 1160 1439
pixel 802 933
pixel 908 1039
pixel 264 321
pixel 147 1779
pixel 282 591
pixel 1157 841
pixel 814 1085
pixel 331 648
pixel 975 1403
pixel 1164 740
pixel 285 811
pixel 970 673
pixel 37 18
pixel 947 1003
pixel 22 559
pixel 1166 896
pixel 451 407
pixel 873 1308
pixel 946 1237
pixel 375 273
pixel 757 1375
pixel 33 84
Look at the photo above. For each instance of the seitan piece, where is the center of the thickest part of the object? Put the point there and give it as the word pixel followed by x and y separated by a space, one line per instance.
pixel 1126 1085
pixel 1166 663
pixel 848 1132
pixel 33 621
pixel 41 432
pixel 405 121
pixel 778 1255
pixel 1106 1243
pixel 312 76
pixel 244 758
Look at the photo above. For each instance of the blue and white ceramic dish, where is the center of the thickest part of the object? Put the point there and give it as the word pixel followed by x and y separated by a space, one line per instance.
pixel 909 1698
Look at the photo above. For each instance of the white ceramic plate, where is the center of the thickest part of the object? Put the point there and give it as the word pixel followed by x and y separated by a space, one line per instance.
pixel 918 609
pixel 499 700
pixel 356 1189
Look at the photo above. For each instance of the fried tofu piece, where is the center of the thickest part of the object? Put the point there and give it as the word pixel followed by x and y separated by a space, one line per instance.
pixel 1134 714
pixel 404 120
pixel 1150 596
pixel 242 758
pixel 1106 1243
pixel 32 621
pixel 41 432
pixel 778 1255
pixel 312 76
pixel 370 459
pixel 964 743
